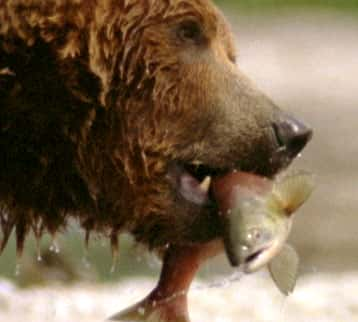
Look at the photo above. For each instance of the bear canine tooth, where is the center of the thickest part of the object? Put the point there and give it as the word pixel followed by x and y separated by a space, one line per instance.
pixel 6 71
pixel 205 184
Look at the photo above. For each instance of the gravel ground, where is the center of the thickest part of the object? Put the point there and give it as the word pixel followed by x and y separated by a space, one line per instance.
pixel 317 298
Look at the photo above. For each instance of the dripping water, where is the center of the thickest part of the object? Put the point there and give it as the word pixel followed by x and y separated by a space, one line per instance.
pixel 38 249
pixel 222 282
pixel 17 269
pixel 54 247
pixel 85 260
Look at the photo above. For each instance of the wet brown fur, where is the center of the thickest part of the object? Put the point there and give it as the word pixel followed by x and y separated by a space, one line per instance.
pixel 100 99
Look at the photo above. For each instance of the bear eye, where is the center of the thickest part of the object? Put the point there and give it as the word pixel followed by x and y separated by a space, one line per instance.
pixel 232 58
pixel 189 31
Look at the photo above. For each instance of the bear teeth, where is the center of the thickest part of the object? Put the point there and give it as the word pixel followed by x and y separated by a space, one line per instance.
pixel 205 184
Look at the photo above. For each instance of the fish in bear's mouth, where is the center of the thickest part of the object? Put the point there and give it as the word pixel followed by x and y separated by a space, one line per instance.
pixel 197 184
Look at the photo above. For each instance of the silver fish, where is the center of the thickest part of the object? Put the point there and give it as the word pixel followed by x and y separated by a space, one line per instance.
pixel 259 224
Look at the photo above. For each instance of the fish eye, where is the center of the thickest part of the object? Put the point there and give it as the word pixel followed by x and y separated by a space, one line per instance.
pixel 254 235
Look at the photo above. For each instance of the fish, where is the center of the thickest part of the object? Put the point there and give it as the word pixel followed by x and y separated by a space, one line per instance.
pixel 257 216
pixel 284 268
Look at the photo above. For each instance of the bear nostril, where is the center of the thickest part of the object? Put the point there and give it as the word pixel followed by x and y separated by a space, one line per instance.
pixel 292 135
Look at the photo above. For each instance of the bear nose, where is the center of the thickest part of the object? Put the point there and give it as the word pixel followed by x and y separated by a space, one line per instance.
pixel 292 134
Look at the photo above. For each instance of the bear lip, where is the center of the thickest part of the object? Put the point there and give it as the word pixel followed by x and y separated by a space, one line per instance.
pixel 193 190
pixel 192 182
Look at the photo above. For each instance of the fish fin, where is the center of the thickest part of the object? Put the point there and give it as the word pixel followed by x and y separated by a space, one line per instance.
pixel 290 192
pixel 284 269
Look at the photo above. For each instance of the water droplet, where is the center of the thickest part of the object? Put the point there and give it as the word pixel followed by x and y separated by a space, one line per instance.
pixel 244 248
pixel 113 266
pixel 141 310
pixel 54 247
pixel 85 261
pixel 17 269
pixel 38 250
pixel 237 275
pixel 153 261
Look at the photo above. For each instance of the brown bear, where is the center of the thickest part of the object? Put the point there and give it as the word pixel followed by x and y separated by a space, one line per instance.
pixel 119 113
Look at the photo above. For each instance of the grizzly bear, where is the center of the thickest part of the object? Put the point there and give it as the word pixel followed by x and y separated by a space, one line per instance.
pixel 118 113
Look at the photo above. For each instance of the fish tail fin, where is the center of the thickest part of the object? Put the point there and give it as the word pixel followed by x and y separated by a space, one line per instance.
pixel 293 190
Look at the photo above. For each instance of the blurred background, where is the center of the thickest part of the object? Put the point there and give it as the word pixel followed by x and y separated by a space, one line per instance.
pixel 304 55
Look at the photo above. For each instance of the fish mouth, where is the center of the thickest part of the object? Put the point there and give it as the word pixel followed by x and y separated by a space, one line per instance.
pixel 254 260
pixel 260 257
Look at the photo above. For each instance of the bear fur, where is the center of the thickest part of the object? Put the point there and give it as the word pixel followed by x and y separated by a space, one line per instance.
pixel 104 102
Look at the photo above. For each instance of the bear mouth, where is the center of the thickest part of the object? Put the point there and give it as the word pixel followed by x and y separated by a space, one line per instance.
pixel 193 181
